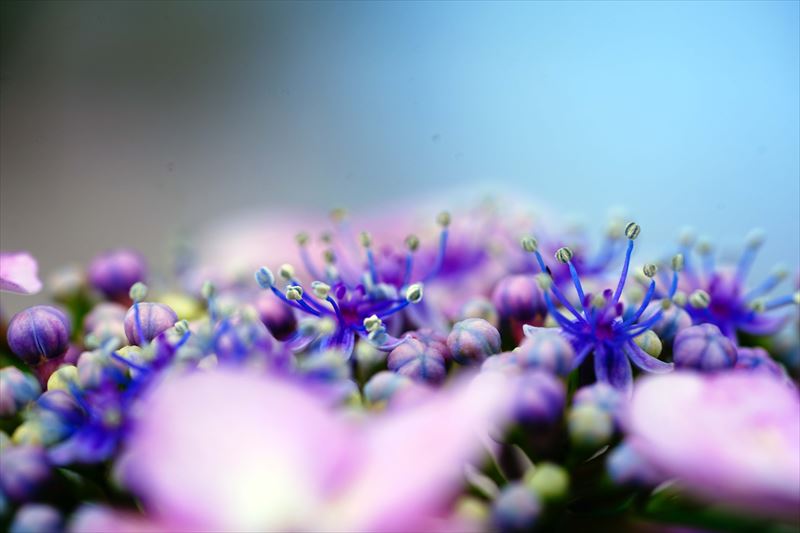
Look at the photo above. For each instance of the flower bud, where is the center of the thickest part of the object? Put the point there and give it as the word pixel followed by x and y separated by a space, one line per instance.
pixel 418 361
pixel 625 466
pixel 545 349
pixel 35 517
pixel 673 320
pixel 538 399
pixel 649 342
pixel 480 308
pixel 519 297
pixel 114 272
pixel 106 321
pixel 757 360
pixel 549 481
pixel 473 340
pixel 24 471
pixel 38 333
pixel 16 390
pixel 589 426
pixel 62 378
pixel 703 347
pixel 276 316
pixel 154 318
pixel 383 385
pixel 516 508
pixel 601 395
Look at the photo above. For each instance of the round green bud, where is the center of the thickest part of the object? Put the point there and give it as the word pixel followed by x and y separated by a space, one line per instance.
pixel 414 293
pixel 699 299
pixel 138 291
pixel 649 270
pixel 649 342
pixel 208 290
pixel 687 237
pixel 549 481
pixel 529 244
pixel 632 230
pixel 338 214
pixel 443 219
pixel 590 426
pixel 61 378
pixel 329 256
pixel 564 255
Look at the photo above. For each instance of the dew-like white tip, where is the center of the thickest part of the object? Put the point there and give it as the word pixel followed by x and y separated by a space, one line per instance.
pixel 649 270
pixel 412 243
pixel 677 262
pixel 632 230
pixel 372 323
pixel 443 219
pixel 699 299
pixel 286 271
pixel 320 289
pixel 563 255
pixel 755 238
pixel 414 293
pixel 529 244
pixel 138 291
pixel 294 292
pixel 265 278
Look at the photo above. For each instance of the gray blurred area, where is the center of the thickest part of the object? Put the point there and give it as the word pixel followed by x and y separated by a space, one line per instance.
pixel 122 123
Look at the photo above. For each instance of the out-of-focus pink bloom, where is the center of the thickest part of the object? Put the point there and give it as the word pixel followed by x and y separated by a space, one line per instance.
pixel 224 450
pixel 731 438
pixel 19 273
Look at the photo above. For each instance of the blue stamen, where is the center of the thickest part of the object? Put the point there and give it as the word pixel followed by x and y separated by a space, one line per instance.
pixel 780 302
pixel 647 297
pixel 437 266
pixel 138 322
pixel 624 275
pixel 131 364
pixel 578 287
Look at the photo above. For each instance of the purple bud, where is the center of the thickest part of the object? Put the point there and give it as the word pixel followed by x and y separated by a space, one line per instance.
pixel 277 316
pixel 626 467
pixel 115 271
pixel 539 398
pixel 548 350
pixel 757 360
pixel 703 347
pixel 505 362
pixel 432 338
pixel 24 470
pixel 419 361
pixel 516 508
pixel 35 517
pixel 16 389
pixel 519 297
pixel 383 385
pixel 673 320
pixel 601 395
pixel 38 333
pixel 473 340
pixel 154 318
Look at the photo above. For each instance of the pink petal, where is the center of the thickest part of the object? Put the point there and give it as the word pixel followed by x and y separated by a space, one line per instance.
pixel 18 273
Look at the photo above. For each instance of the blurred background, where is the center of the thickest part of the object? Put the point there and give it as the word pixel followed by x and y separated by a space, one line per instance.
pixel 124 122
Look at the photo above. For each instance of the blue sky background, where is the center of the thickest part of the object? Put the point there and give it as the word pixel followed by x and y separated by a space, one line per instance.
pixel 123 121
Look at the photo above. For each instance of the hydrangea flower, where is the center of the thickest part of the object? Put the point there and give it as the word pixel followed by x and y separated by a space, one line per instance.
pixel 600 325
pixel 731 438
pixel 730 303
pixel 19 273
pixel 274 458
